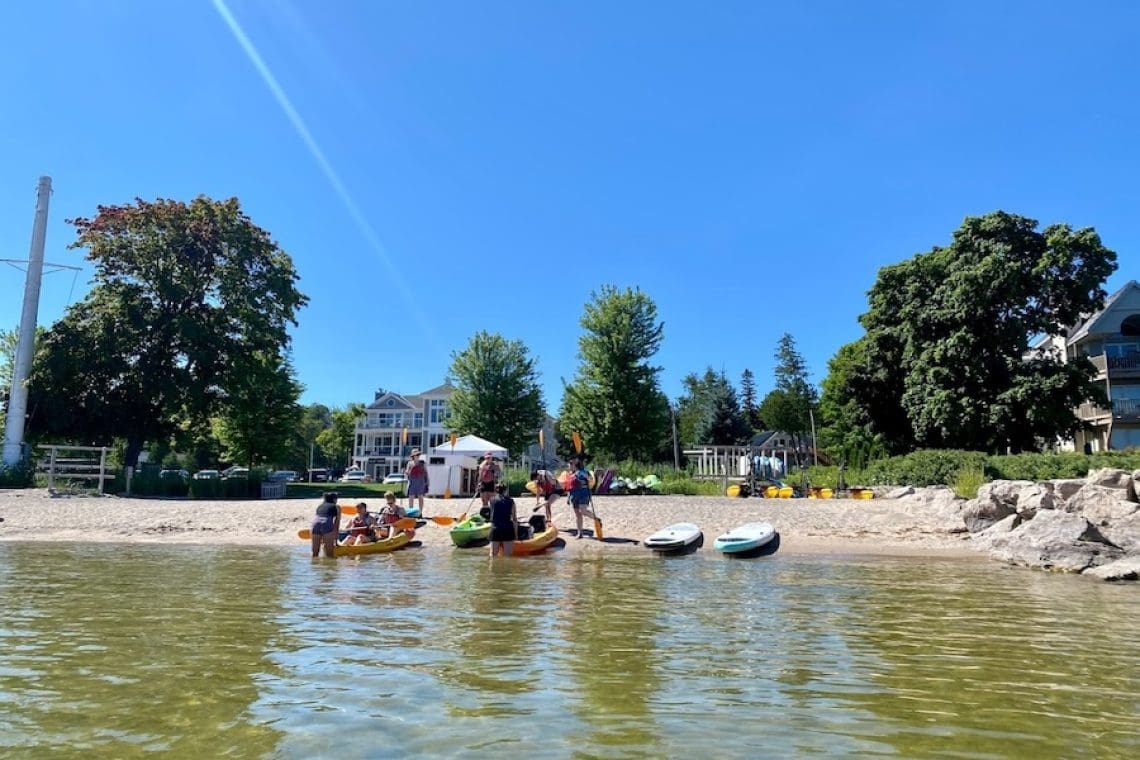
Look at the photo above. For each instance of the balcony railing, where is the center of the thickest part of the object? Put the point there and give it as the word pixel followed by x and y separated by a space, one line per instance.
pixel 1122 409
pixel 1117 366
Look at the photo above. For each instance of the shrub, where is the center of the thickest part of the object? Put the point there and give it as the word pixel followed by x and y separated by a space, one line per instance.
pixel 20 475
pixel 922 468
pixel 967 482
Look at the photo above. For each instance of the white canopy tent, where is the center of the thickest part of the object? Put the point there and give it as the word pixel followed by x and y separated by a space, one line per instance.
pixel 463 457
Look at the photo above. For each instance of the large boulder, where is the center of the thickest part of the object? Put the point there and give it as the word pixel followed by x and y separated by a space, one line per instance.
pixel 900 492
pixel 1034 497
pixel 1127 569
pixel 1004 491
pixel 1100 504
pixel 979 513
pixel 1136 485
pixel 1110 478
pixel 1053 540
pixel 1124 532
pixel 1063 490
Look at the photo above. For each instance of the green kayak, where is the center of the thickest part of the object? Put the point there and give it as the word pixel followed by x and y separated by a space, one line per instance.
pixel 469 531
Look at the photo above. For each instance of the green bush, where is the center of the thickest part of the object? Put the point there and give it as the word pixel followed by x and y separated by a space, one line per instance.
pixel 967 482
pixel 20 475
pixel 922 468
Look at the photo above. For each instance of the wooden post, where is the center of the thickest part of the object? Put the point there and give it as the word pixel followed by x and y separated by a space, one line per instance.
pixel 51 469
pixel 102 466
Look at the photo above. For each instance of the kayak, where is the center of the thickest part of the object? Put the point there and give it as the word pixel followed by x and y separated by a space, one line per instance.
pixel 746 538
pixel 473 529
pixel 673 538
pixel 537 543
pixel 398 541
pixel 413 512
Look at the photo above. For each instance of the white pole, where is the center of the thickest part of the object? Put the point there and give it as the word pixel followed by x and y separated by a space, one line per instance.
pixel 18 398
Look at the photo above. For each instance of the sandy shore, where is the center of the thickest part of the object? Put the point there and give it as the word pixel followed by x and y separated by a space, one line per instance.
pixel 840 526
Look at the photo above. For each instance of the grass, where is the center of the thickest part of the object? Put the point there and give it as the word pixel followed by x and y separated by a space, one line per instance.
pixel 967 482
pixel 374 491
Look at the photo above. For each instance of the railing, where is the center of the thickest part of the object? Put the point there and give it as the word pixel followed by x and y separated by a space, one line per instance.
pixel 75 463
pixel 1117 366
pixel 1122 409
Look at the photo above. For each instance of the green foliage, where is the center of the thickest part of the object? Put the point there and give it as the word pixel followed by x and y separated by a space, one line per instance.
pixel 497 395
pixel 946 360
pixel 354 491
pixel 789 405
pixel 337 440
pixel 709 412
pixel 20 475
pixel 183 293
pixel 967 482
pixel 748 404
pixel 922 468
pixel 615 400
pixel 259 411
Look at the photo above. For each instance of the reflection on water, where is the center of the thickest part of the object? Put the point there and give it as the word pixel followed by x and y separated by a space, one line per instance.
pixel 115 651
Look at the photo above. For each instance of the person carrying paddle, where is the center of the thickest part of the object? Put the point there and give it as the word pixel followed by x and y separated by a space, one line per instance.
pixel 417 475
pixel 580 492
pixel 390 514
pixel 489 474
pixel 504 522
pixel 326 525
pixel 362 528
pixel 549 490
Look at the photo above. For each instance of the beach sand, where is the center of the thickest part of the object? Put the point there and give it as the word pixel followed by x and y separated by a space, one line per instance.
pixel 838 526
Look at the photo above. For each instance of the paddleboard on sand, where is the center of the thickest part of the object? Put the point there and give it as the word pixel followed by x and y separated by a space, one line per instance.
pixel 674 537
pixel 745 538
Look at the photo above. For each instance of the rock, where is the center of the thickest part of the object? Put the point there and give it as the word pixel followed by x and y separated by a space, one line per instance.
pixel 1124 532
pixel 1001 527
pixel 1053 540
pixel 1127 569
pixel 1110 478
pixel 1035 497
pixel 898 493
pixel 1063 490
pixel 1136 485
pixel 1100 504
pixel 979 513
pixel 1004 491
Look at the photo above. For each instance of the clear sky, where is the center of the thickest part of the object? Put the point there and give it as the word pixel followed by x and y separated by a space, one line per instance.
pixel 439 168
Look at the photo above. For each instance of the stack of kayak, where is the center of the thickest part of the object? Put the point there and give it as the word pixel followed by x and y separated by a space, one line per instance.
pixel 650 484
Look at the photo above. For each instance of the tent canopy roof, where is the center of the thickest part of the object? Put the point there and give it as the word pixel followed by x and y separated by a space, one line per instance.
pixel 470 446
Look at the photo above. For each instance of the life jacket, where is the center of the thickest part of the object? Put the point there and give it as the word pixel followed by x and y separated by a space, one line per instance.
pixel 361 525
pixel 417 470
pixel 488 474
pixel 389 515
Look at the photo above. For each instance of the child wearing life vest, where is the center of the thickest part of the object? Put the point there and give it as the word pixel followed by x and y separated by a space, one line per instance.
pixel 362 528
pixel 390 514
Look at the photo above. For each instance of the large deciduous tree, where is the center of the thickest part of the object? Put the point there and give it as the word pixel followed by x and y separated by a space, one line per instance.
pixel 615 400
pixel 497 395
pixel 337 440
pixel 949 357
pixel 259 412
pixel 183 292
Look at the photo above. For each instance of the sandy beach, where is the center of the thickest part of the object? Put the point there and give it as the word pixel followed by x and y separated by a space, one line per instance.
pixel 840 526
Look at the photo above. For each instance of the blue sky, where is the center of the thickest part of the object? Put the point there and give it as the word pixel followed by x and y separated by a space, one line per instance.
pixel 485 166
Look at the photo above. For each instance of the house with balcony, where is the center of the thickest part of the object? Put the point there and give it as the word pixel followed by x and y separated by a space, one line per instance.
pixel 380 448
pixel 1110 339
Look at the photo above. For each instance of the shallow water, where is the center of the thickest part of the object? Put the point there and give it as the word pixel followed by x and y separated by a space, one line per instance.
pixel 117 651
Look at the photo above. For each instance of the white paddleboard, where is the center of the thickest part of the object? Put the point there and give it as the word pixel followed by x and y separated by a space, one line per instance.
pixel 674 537
pixel 745 538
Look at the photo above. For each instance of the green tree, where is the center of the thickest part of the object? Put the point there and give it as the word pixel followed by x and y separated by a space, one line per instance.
pixel 948 343
pixel 847 430
pixel 8 340
pixel 789 405
pixel 497 395
pixel 337 440
pixel 259 413
pixel 709 411
pixel 314 419
pixel 615 400
pixel 182 291
pixel 748 400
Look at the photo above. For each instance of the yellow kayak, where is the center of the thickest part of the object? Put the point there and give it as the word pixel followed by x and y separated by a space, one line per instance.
pixel 398 541
pixel 536 544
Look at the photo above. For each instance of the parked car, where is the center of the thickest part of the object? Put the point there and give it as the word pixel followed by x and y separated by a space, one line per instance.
pixel 207 475
pixel 354 476
pixel 318 475
pixel 288 476
pixel 236 472
pixel 395 477
pixel 171 474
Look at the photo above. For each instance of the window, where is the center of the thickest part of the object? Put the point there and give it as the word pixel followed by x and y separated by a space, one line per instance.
pixel 418 420
pixel 385 443
pixel 1121 349
pixel 437 439
pixel 437 410
pixel 415 439
pixel 435 460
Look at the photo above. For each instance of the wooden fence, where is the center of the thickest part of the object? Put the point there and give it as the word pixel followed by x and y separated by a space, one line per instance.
pixel 67 464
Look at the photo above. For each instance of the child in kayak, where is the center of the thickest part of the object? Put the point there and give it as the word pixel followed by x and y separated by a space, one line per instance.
pixel 390 513
pixel 362 528
pixel 549 490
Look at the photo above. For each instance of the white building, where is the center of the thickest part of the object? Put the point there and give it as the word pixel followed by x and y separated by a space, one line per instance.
pixel 379 448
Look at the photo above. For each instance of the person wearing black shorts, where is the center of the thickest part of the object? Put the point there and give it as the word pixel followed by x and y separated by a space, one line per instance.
pixel 489 474
pixel 504 522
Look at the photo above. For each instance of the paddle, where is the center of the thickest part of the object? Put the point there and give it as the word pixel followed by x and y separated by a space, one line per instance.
pixel 447 489
pixel 593 510
pixel 405 524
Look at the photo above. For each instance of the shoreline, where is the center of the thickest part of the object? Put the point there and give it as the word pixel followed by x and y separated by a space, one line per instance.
pixel 877 527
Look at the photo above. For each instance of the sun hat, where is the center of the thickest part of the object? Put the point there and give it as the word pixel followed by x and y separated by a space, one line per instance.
pixel 488 455
pixel 415 452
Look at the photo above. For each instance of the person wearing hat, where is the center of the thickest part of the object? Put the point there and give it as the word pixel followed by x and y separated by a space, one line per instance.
pixel 489 474
pixel 417 475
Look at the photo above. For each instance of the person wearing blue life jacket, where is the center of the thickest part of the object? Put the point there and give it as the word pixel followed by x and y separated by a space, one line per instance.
pixel 504 522
pixel 580 492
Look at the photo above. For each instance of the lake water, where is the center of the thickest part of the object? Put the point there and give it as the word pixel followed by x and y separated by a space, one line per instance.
pixel 117 651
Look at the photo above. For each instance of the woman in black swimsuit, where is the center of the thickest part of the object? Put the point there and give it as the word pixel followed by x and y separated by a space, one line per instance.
pixel 326 525
pixel 504 522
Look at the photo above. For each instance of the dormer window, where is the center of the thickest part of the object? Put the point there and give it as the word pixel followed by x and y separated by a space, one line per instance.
pixel 1130 326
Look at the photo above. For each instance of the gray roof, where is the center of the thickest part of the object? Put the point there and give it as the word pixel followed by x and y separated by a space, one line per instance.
pixel 1082 328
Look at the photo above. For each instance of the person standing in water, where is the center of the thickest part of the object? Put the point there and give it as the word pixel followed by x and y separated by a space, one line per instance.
pixel 417 474
pixel 326 525
pixel 489 474
pixel 504 522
